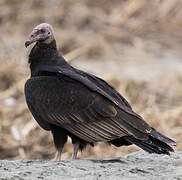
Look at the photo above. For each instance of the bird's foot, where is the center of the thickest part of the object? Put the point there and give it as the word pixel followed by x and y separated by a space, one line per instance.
pixel 75 150
pixel 57 156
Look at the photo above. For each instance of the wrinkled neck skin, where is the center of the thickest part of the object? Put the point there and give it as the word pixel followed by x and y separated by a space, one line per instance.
pixel 44 54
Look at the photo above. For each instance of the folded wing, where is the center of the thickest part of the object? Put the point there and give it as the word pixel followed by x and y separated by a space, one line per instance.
pixel 85 113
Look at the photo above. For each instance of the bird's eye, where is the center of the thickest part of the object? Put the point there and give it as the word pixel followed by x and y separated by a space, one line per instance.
pixel 48 32
pixel 42 30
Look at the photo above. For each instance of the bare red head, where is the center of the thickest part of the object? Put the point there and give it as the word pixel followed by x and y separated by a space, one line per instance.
pixel 41 33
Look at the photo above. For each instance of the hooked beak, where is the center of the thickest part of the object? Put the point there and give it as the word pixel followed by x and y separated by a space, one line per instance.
pixel 31 39
pixel 27 43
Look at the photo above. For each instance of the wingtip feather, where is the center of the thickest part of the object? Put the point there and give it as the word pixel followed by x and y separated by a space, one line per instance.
pixel 162 138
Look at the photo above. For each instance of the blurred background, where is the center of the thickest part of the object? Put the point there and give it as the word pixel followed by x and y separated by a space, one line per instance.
pixel 133 44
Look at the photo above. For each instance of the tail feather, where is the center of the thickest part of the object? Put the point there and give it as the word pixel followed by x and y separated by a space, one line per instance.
pixel 156 143
pixel 152 145
pixel 162 138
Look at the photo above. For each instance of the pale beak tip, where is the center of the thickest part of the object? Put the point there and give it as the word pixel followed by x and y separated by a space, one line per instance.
pixel 27 43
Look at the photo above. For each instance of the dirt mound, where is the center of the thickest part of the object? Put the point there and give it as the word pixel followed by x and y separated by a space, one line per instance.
pixel 138 165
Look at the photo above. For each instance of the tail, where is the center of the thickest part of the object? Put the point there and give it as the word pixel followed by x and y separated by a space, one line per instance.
pixel 156 143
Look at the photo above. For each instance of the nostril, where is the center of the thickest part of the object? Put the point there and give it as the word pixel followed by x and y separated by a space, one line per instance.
pixel 32 35
pixel 42 30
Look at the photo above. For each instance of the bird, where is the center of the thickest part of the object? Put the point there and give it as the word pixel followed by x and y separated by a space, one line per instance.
pixel 69 102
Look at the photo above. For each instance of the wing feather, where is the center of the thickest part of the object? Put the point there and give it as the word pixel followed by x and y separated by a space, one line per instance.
pixel 85 113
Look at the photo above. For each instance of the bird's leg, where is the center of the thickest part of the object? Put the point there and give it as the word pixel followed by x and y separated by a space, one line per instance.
pixel 60 138
pixel 75 150
pixel 58 155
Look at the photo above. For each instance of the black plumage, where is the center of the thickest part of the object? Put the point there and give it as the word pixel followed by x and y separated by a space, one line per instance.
pixel 70 102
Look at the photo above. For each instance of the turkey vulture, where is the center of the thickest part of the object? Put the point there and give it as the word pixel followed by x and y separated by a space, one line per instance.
pixel 71 102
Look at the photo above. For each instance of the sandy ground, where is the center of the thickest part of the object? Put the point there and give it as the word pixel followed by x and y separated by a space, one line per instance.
pixel 139 165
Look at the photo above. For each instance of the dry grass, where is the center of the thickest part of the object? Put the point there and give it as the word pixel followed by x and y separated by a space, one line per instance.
pixel 126 42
